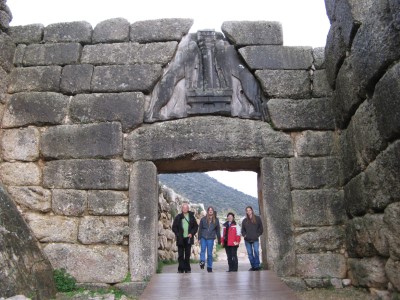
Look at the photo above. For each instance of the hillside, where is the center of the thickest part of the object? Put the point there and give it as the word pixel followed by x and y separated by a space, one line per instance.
pixel 201 188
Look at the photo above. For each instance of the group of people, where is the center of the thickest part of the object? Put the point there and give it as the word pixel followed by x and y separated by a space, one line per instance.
pixel 185 228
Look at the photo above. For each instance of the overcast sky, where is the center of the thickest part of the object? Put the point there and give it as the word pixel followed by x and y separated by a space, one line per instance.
pixel 304 23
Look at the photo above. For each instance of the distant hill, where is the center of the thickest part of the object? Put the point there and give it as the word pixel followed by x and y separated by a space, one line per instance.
pixel 201 188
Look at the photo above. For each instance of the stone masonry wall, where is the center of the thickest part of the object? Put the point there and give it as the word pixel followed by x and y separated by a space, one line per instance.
pixel 363 69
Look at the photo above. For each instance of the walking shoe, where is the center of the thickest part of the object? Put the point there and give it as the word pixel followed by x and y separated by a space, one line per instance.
pixel 252 269
pixel 209 270
pixel 202 264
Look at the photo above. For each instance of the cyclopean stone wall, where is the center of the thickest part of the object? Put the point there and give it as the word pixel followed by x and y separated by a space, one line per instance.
pixel 363 68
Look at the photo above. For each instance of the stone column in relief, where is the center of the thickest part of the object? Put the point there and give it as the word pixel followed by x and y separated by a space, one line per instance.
pixel 143 220
pixel 276 212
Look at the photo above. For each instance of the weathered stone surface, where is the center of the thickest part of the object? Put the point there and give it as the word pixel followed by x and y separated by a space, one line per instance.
pixel 206 137
pixel 134 289
pixel 35 109
pixel 335 53
pixel 346 97
pixel 320 85
pixel 143 220
pixel 295 283
pixel 52 54
pixel 69 32
pixel 355 196
pixel 319 58
pixel 318 208
pixel 159 30
pixel 314 173
pixel 364 237
pixel 276 210
pixel 392 269
pixel 293 84
pixel 315 143
pixel 53 228
pixel 392 221
pixel 5 19
pixel 35 79
pixel 108 203
pixel 294 115
pixel 319 239
pixel 7 48
pixel 375 47
pixel 368 272
pixel 111 31
pixel 19 55
pixel 76 78
pixel 69 202
pixel 26 34
pixel 3 85
pixel 20 144
pixel 386 102
pixel 349 165
pixel 125 78
pixel 277 57
pixel 321 265
pixel 127 108
pixel 244 33
pixel 82 141
pixel 103 230
pixel 20 174
pixel 86 174
pixel 129 53
pixel 24 267
pixel 34 198
pixel 102 264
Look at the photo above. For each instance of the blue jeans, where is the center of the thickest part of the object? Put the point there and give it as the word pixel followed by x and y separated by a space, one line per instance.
pixel 206 245
pixel 253 253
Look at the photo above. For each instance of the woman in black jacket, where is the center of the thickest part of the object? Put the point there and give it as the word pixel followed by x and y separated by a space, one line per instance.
pixel 252 229
pixel 185 227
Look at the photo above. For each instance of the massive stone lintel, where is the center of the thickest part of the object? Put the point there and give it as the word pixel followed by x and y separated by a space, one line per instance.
pixel 206 77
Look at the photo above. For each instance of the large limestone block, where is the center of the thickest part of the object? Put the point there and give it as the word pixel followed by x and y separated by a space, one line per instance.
pixel 123 78
pixel 160 30
pixel 35 79
pixel 320 85
pixel 319 239
pixel 356 196
pixel 368 272
pixel 26 34
pixel 321 265
pixel 392 220
pixel 127 108
pixel 111 31
pixel 19 55
pixel 20 174
pixel 313 173
pixel 276 209
pixel 315 143
pixel 35 109
pixel 69 202
pixel 24 267
pixel 53 229
pixel 277 57
pixel 82 174
pixel 335 53
pixel 108 203
pixel 103 230
pixel 3 85
pixel 52 54
pixel 392 269
pixel 206 138
pixel 293 84
pixel 319 58
pixel 20 144
pixel 386 101
pixel 7 48
pixel 318 207
pixel 82 141
pixel 244 33
pixel 34 198
pixel 293 115
pixel 76 78
pixel 101 264
pixel 68 32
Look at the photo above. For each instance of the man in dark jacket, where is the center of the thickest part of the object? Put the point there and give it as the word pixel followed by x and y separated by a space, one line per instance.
pixel 252 228
pixel 185 227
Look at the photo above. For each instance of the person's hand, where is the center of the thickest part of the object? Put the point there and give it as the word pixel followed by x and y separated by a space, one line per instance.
pixel 189 235
pixel 235 243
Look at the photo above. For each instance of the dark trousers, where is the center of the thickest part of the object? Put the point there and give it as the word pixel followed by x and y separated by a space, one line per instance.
pixel 231 253
pixel 184 256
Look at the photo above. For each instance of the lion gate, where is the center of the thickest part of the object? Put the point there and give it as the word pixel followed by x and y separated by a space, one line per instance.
pixel 91 116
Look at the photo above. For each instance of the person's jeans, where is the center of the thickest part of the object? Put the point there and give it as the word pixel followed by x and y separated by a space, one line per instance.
pixel 253 253
pixel 206 245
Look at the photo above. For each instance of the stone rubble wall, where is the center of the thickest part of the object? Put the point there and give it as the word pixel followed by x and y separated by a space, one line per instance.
pixel 363 68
